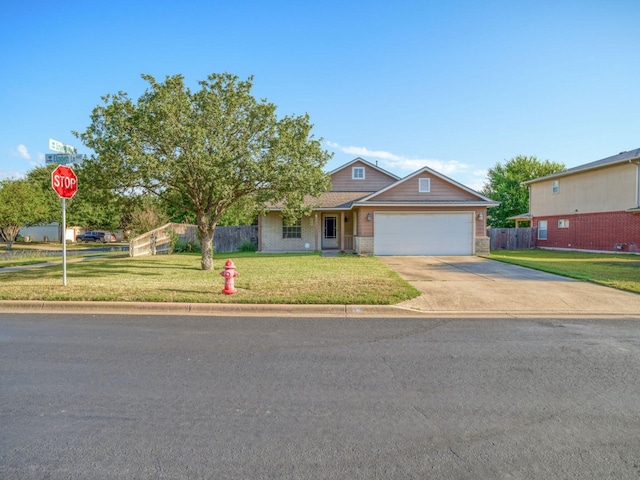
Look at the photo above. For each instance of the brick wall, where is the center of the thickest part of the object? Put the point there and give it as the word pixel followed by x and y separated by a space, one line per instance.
pixel 593 231
pixel 272 241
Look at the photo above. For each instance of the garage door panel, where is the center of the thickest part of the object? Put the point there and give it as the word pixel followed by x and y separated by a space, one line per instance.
pixel 423 234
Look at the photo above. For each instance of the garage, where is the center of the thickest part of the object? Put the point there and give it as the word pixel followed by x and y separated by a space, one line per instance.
pixel 411 233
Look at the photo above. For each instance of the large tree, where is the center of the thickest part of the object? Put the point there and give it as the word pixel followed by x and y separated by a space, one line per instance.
pixel 205 150
pixel 504 184
pixel 21 204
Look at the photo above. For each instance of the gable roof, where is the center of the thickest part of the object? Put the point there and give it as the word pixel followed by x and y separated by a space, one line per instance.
pixel 369 164
pixel 622 157
pixel 481 198
pixel 338 200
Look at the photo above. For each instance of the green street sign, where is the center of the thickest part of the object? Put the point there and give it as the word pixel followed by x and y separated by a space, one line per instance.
pixel 57 146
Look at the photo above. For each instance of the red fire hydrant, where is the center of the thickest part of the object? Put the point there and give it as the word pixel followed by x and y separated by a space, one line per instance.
pixel 229 274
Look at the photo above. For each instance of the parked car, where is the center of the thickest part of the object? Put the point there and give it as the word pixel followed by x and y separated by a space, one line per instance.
pixel 96 236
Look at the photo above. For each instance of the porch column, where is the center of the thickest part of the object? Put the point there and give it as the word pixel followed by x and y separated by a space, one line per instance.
pixel 316 232
pixel 342 230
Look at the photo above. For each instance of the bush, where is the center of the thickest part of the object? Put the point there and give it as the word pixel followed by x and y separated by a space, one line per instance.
pixel 248 246
pixel 182 246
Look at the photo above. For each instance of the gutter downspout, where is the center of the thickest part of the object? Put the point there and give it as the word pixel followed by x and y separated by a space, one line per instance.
pixel 637 162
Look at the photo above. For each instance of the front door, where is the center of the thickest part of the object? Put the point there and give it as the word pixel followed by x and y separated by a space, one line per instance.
pixel 330 232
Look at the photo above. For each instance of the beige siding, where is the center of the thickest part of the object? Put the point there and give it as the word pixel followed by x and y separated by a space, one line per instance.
pixel 440 190
pixel 604 190
pixel 373 181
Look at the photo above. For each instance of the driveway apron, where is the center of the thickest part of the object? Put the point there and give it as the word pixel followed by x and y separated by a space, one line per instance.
pixel 479 285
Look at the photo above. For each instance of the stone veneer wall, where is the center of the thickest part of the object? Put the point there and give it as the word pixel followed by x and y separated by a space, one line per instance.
pixel 483 245
pixel 363 245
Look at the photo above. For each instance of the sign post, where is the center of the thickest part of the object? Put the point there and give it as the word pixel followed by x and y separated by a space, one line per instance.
pixel 65 183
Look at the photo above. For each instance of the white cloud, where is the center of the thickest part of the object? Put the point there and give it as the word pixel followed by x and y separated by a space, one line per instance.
pixel 393 162
pixel 22 152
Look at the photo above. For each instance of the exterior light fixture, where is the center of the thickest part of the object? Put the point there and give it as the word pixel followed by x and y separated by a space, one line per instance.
pixel 480 216
pixel 368 217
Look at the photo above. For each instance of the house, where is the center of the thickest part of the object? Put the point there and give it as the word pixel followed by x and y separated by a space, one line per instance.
pixel 595 206
pixel 372 211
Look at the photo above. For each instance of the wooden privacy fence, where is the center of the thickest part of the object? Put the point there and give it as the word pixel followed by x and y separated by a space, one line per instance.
pixel 230 239
pixel 159 241
pixel 512 238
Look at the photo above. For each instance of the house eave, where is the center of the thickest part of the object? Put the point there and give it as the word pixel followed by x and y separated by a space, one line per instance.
pixel 632 156
pixel 426 204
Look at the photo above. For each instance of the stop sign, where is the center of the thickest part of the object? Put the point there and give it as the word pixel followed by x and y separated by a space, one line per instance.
pixel 64 181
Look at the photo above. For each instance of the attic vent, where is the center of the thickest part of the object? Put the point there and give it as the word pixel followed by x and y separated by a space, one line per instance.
pixel 424 185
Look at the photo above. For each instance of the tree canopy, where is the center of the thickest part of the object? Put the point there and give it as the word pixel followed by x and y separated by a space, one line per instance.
pixel 203 151
pixel 505 185
pixel 21 204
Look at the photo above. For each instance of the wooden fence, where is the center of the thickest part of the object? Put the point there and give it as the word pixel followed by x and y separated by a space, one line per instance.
pixel 158 241
pixel 230 239
pixel 512 238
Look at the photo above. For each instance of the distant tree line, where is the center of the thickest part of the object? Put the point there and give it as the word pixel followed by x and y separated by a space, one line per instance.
pixel 504 184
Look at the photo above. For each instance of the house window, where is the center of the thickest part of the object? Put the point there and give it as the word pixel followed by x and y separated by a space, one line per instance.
pixel 555 188
pixel 563 223
pixel 542 230
pixel 357 173
pixel 424 185
pixel 292 231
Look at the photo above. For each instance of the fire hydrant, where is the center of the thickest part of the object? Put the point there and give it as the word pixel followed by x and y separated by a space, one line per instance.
pixel 229 274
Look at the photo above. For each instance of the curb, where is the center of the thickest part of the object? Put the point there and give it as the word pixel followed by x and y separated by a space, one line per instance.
pixel 265 310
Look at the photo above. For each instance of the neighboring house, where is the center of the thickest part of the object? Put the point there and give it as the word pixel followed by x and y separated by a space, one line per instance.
pixel 595 206
pixel 50 232
pixel 372 211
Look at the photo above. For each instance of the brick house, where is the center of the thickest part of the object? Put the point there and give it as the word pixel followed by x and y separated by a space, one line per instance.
pixel 595 206
pixel 372 211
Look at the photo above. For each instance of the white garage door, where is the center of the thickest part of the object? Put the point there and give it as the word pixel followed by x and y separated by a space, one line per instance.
pixel 423 234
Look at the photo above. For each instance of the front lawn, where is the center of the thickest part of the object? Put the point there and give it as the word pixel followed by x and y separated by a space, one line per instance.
pixel 263 279
pixel 620 271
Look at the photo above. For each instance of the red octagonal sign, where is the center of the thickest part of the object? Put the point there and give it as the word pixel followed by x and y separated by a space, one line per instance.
pixel 64 181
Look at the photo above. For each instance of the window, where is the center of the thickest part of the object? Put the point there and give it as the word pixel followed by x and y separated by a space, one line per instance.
pixel 555 188
pixel 424 185
pixel 563 223
pixel 542 229
pixel 292 231
pixel 357 173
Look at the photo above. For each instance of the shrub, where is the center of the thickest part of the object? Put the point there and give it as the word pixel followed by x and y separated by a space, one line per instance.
pixel 248 246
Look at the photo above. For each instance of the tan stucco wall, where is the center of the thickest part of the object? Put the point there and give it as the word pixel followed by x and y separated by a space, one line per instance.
pixel 603 190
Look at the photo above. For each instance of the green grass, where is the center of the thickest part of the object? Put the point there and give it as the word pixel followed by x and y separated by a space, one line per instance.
pixel 20 255
pixel 613 270
pixel 263 279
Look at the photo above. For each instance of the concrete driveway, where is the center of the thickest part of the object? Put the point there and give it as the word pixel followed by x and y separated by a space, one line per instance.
pixel 478 285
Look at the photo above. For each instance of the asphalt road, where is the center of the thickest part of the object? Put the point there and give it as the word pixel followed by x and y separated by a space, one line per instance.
pixel 136 397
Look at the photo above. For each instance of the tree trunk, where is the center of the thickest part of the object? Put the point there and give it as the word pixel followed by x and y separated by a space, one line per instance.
pixel 206 242
pixel 9 234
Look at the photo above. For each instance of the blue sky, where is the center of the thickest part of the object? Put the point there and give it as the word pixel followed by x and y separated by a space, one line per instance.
pixel 455 85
